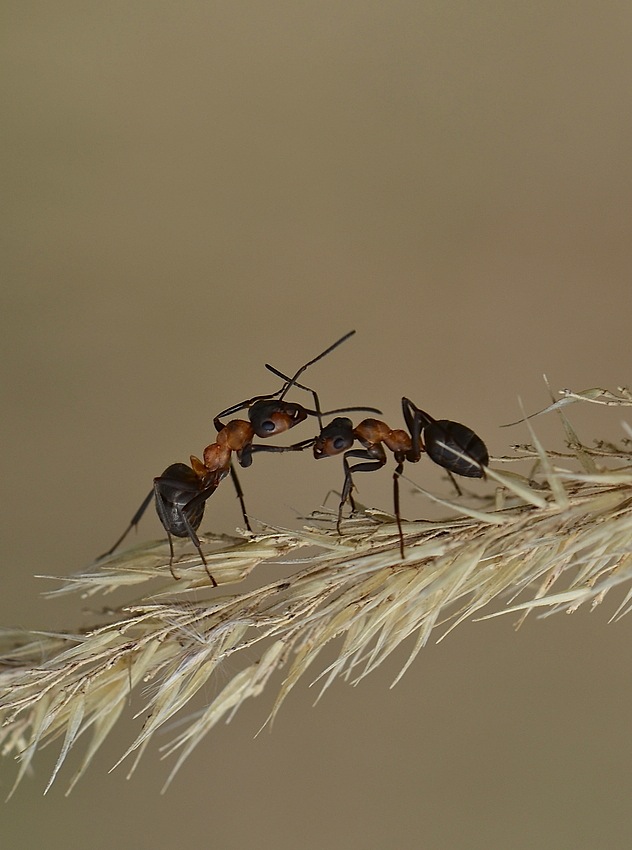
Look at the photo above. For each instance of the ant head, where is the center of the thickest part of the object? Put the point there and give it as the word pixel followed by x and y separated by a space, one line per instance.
pixel 335 438
pixel 271 417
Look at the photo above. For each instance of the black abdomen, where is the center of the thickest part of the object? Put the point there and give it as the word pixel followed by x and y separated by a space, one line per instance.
pixel 470 452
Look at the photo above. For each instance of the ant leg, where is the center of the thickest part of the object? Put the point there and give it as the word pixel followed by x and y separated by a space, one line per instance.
pixel 398 471
pixel 201 498
pixel 295 447
pixel 245 455
pixel 194 538
pixel 163 516
pixel 134 522
pixel 416 420
pixel 371 465
pixel 240 495
pixel 345 495
pixel 459 492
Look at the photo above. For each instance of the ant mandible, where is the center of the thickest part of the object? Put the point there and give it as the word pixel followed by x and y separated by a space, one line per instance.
pixel 181 492
pixel 451 445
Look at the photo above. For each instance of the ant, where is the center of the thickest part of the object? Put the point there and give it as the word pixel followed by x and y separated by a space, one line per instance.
pixel 181 492
pixel 451 445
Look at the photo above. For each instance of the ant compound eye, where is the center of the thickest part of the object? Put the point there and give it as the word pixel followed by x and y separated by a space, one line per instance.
pixel 268 426
pixel 340 443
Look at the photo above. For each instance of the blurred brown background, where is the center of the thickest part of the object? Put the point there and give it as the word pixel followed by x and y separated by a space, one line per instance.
pixel 193 189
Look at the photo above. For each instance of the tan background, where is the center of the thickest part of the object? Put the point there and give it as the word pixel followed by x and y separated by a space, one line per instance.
pixel 194 188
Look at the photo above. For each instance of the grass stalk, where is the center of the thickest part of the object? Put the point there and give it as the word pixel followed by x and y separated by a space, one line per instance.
pixel 550 540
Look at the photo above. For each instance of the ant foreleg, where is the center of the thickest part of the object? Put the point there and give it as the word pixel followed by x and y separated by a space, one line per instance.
pixel 376 460
pixel 295 447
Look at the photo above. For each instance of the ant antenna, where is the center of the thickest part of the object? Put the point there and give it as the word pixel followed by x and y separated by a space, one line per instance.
pixel 292 381
pixel 318 412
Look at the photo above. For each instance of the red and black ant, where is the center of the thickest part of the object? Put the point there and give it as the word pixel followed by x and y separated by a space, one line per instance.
pixel 181 492
pixel 451 445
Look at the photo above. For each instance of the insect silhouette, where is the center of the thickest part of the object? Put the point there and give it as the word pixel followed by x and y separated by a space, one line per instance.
pixel 180 493
pixel 451 445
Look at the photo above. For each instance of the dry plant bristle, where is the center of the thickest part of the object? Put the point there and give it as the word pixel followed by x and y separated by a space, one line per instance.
pixel 560 538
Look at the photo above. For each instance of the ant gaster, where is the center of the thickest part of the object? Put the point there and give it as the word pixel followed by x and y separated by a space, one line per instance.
pixel 181 492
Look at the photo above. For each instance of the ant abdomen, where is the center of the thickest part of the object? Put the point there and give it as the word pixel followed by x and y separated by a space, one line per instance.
pixel 175 489
pixel 456 448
